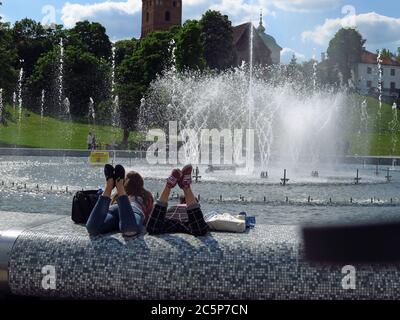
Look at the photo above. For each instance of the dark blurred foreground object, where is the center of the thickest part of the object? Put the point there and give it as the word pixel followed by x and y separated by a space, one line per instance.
pixel 368 243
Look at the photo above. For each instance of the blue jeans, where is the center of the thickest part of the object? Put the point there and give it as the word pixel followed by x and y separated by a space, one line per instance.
pixel 125 217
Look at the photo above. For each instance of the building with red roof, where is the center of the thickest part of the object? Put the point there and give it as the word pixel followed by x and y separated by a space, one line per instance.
pixel 368 75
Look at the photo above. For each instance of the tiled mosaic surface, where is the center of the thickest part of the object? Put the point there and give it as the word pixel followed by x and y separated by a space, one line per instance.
pixel 262 264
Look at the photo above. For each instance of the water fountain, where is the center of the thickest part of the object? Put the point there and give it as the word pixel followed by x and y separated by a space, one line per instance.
pixel 362 136
pixel 91 113
pixel 315 79
pixel 351 81
pixel 142 125
pixel 341 79
pixel 66 108
pixel 14 103
pixel 113 50
pixel 115 112
pixel 65 115
pixel 1 106
pixel 20 101
pixel 380 89
pixel 42 102
pixel 249 156
pixel 296 126
pixel 394 129
pixel 286 120
pixel 60 77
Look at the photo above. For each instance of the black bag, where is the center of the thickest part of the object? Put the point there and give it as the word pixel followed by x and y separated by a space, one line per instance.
pixel 83 204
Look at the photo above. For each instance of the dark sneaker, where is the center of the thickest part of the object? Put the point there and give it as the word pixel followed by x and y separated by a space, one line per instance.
pixel 186 179
pixel 109 171
pixel 174 178
pixel 119 172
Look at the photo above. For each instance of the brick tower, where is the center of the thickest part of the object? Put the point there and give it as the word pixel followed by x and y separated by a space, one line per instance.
pixel 160 15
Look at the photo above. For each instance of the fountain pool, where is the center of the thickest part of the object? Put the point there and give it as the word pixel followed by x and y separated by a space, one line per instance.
pixel 39 185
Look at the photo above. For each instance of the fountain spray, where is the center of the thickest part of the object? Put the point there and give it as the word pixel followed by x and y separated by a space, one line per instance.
pixel 92 113
pixel 1 105
pixel 380 89
pixel 249 161
pixel 42 105
pixel 14 100
pixel 20 79
pixel 113 70
pixel 363 130
pixel 61 76
pixel 315 65
pixel 115 115
pixel 394 128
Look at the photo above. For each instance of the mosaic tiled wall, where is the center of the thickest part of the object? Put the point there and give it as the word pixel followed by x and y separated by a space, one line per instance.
pixel 262 264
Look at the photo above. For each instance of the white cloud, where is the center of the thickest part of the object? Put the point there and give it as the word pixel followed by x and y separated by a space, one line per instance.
pixel 240 11
pixel 304 5
pixel 287 54
pixel 74 12
pixel 375 28
pixel 122 19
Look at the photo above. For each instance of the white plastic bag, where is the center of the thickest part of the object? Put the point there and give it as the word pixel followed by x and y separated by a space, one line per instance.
pixel 225 222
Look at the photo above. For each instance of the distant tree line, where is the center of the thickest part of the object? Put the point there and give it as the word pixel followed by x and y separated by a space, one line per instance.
pixel 204 45
pixel 386 53
pixel 343 55
pixel 342 58
pixel 199 45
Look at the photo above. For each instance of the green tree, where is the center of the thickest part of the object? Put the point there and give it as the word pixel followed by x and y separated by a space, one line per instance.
pixel 8 74
pixel 31 40
pixel 217 34
pixel 85 76
pixel 293 68
pixel 154 53
pixel 93 37
pixel 386 53
pixel 345 50
pixel 150 59
pixel 327 74
pixel 124 49
pixel 189 47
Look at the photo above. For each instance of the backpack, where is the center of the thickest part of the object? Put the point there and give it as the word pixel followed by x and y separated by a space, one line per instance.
pixel 83 204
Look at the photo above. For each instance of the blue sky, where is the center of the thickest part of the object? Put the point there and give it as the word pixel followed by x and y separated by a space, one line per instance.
pixel 303 27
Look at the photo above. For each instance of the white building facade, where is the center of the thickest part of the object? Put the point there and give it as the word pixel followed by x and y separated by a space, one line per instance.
pixel 367 75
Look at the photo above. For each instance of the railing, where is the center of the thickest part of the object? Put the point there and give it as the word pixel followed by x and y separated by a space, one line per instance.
pixel 141 154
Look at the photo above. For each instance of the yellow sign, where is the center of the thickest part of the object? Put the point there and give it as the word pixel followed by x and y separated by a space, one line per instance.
pixel 99 158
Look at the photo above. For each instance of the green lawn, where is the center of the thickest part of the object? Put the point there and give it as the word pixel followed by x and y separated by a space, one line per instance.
pixel 370 142
pixel 50 133
pixel 53 133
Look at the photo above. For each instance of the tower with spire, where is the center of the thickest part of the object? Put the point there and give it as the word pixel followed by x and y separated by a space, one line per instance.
pixel 269 42
pixel 261 28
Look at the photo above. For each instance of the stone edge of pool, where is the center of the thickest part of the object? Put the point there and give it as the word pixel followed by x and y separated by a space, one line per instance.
pixel 54 258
